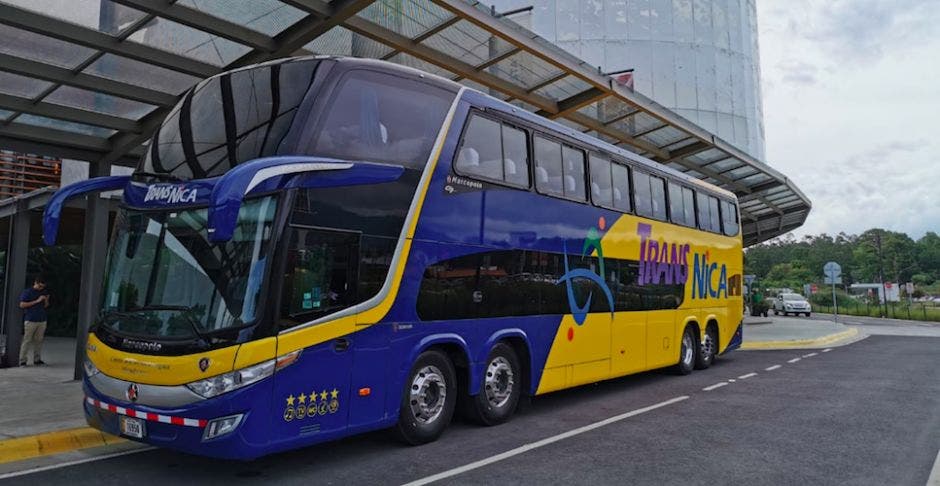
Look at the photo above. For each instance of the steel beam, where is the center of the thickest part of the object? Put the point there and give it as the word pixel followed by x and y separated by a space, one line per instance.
pixel 489 62
pixel 17 256
pixel 574 103
pixel 83 36
pixel 47 72
pixel 204 22
pixel 49 110
pixel 52 136
pixel 426 34
pixel 323 17
pixel 94 251
pixel 610 131
pixel 380 34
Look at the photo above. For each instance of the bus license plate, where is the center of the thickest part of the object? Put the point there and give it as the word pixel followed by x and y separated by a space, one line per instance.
pixel 132 427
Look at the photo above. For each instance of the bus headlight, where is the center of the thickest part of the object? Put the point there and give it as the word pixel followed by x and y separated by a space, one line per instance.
pixel 224 383
pixel 90 369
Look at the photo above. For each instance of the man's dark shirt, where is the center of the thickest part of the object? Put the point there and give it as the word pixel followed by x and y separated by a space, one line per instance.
pixel 36 313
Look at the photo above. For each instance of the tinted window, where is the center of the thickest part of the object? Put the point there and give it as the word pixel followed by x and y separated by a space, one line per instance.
pixel 574 173
pixel 382 118
pixel 479 153
pixel 548 173
pixel 713 216
pixel 621 187
pixel 515 156
pixel 658 197
pixel 641 194
pixel 230 119
pixel 320 278
pixel 688 201
pixel 704 220
pixel 601 189
pixel 676 204
pixel 729 215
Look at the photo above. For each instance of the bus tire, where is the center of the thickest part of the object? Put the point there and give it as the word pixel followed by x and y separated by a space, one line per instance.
pixel 707 350
pixel 500 388
pixel 428 399
pixel 687 352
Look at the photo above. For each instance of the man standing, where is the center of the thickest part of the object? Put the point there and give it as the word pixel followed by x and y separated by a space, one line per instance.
pixel 34 301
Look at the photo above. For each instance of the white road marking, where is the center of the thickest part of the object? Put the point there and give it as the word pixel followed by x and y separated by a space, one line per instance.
pixel 731 380
pixel 541 443
pixel 794 360
pixel 827 350
pixel 934 478
pixel 744 377
pixel 810 355
pixel 73 463
pixel 771 368
pixel 716 385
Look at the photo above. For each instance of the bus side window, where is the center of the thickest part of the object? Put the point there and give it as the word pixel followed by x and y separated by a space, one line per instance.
pixel 601 192
pixel 658 193
pixel 515 156
pixel 688 198
pixel 621 187
pixel 548 175
pixel 574 172
pixel 641 192
pixel 479 153
pixel 676 204
pixel 713 215
pixel 729 216
pixel 701 203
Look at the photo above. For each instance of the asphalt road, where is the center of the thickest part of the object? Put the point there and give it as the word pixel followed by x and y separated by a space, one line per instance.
pixel 866 413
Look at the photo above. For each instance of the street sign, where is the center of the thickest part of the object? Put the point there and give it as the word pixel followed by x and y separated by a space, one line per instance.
pixel 813 288
pixel 832 270
pixel 833 273
pixel 749 279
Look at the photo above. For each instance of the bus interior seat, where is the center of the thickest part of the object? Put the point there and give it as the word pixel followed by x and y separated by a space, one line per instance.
pixel 570 184
pixel 595 190
pixel 541 175
pixel 468 157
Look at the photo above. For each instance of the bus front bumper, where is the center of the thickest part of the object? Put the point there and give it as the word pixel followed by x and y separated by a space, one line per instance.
pixel 241 414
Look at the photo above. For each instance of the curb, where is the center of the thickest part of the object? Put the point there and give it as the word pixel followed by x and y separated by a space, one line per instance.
pixel 29 447
pixel 801 343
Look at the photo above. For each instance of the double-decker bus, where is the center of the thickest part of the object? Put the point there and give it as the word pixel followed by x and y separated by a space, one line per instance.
pixel 317 247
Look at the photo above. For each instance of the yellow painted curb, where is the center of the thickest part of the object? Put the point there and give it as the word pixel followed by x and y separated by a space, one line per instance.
pixel 801 343
pixel 56 442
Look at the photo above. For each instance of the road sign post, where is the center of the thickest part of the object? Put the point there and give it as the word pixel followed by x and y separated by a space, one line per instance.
pixel 833 272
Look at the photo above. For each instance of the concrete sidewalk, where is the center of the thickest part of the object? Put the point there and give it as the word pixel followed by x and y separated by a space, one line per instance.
pixel 796 333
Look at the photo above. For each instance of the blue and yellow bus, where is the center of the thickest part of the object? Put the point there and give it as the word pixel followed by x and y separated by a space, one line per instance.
pixel 317 247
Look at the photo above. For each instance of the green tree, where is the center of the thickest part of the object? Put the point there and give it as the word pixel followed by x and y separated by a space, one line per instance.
pixel 792 275
pixel 897 256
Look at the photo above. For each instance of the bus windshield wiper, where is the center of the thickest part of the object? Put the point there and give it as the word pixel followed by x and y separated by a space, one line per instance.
pixel 183 310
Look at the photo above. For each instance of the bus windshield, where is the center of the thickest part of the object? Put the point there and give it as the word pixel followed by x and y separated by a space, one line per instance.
pixel 166 279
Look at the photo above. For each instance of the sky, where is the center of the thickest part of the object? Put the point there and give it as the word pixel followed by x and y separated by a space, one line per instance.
pixel 851 92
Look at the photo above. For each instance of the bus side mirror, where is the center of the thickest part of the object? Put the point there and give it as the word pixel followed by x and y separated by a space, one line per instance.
pixel 285 172
pixel 53 211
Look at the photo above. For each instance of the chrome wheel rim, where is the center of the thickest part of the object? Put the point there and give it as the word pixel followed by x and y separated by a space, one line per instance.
pixel 688 349
pixel 498 382
pixel 708 347
pixel 427 394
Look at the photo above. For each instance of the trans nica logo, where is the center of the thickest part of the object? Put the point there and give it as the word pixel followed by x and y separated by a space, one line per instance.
pixel 660 262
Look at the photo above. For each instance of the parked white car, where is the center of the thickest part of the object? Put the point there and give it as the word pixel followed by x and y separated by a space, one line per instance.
pixel 792 304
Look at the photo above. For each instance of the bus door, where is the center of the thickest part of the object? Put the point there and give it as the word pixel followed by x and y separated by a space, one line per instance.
pixel 320 276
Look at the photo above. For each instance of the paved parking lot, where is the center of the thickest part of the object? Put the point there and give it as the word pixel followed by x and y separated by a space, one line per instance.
pixel 865 413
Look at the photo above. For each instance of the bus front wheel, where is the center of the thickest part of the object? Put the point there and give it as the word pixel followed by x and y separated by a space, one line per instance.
pixel 428 399
pixel 500 388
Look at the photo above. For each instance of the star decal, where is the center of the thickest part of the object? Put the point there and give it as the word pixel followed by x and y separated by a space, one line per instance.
pixel 290 400
pixel 334 393
pixel 323 395
pixel 302 398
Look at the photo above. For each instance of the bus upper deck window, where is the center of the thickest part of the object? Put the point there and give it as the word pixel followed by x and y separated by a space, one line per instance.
pixel 573 172
pixel 478 155
pixel 601 188
pixel 548 173
pixel 620 183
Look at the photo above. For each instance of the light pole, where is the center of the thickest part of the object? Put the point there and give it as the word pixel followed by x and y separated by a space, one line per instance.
pixel 881 275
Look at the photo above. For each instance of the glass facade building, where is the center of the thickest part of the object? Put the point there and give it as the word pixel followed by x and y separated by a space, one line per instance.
pixel 699 58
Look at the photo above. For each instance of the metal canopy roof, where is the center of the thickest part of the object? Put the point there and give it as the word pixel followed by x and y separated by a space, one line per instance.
pixel 94 78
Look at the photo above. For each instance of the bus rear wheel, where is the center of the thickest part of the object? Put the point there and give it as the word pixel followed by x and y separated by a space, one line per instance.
pixel 428 399
pixel 500 389
pixel 687 352
pixel 708 349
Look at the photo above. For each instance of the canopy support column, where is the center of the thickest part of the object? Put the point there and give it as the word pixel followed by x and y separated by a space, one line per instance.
pixel 17 257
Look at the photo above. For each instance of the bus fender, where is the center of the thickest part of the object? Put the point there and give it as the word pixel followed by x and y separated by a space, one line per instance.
pixel 429 341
